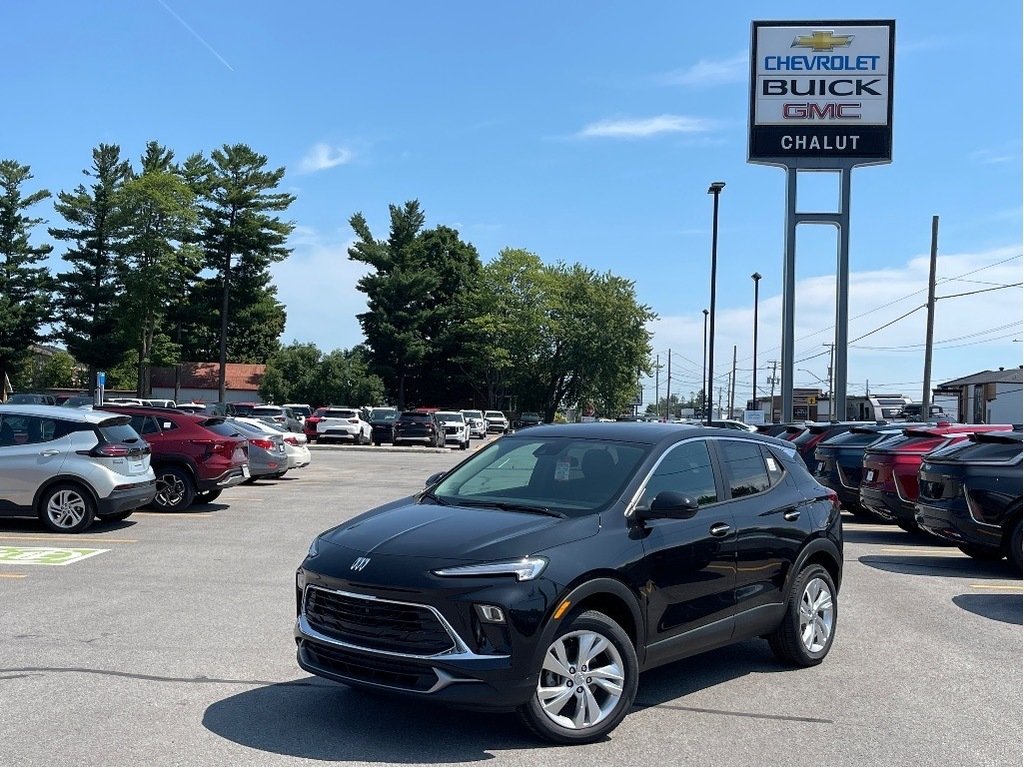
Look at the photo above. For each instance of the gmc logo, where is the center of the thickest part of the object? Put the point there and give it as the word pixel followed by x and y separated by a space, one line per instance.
pixel 813 111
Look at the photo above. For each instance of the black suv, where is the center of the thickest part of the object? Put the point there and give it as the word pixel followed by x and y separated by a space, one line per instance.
pixel 970 494
pixel 529 419
pixel 418 427
pixel 839 461
pixel 547 570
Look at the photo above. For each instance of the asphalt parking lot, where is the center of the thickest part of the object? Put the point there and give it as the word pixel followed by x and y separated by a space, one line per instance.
pixel 173 645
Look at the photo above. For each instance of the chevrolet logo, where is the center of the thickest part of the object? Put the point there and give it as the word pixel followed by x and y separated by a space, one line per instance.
pixel 359 564
pixel 821 41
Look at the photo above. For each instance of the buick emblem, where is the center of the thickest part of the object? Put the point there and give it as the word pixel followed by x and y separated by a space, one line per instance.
pixel 359 564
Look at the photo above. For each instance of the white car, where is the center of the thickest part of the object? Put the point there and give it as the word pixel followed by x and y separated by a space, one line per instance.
pixel 341 423
pixel 477 423
pixel 295 444
pixel 456 430
pixel 496 421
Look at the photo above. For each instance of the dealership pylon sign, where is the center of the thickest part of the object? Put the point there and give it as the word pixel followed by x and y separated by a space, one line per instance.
pixel 820 100
pixel 821 93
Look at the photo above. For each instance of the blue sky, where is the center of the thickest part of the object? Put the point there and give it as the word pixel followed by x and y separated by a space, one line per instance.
pixel 581 131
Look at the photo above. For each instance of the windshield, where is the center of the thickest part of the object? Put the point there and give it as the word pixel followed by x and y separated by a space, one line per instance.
pixel 571 476
pixel 383 414
pixel 446 416
pixel 494 415
pixel 473 414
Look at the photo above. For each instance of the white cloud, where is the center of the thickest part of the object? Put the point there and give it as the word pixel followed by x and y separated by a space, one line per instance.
pixel 322 156
pixel 710 72
pixel 636 128
pixel 317 285
pixel 972 333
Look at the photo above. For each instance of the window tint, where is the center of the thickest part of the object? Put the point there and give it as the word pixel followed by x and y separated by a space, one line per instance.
pixel 775 467
pixel 744 467
pixel 985 451
pixel 339 413
pixel 119 433
pixel 685 469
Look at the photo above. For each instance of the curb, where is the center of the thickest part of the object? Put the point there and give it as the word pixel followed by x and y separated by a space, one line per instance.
pixel 379 448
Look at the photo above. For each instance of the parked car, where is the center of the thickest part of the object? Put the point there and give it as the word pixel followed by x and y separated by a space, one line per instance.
pixel 807 438
pixel 237 408
pixel 529 419
pixel 31 398
pixel 192 462
pixel 295 444
pixel 496 421
pixel 309 425
pixel 382 425
pixel 267 455
pixel 78 401
pixel 772 430
pixel 970 494
pixel 838 461
pixel 68 467
pixel 889 486
pixel 159 402
pixel 340 423
pixel 192 407
pixel 455 428
pixel 477 423
pixel 418 427
pixel 124 401
pixel 545 571
pixel 299 410
pixel 279 415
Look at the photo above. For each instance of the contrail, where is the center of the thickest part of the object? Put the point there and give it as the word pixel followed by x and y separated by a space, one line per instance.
pixel 195 34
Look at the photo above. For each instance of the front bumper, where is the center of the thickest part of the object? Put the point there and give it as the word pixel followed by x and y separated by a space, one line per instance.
pixel 127 497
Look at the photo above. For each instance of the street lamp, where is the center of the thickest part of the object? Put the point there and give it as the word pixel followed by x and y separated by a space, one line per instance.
pixel 704 362
pixel 714 190
pixel 756 277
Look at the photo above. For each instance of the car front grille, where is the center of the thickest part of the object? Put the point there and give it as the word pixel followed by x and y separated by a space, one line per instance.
pixel 378 625
pixel 380 670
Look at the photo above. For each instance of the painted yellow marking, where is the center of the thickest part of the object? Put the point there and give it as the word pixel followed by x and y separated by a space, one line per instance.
pixel 562 609
pixel 12 575
pixel 1013 587
pixel 174 515
pixel 79 538
pixel 925 550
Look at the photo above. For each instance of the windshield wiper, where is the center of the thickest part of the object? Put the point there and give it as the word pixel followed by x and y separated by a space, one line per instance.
pixel 511 506
pixel 434 498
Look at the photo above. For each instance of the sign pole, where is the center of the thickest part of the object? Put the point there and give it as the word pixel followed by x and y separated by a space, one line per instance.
pixel 842 298
pixel 789 297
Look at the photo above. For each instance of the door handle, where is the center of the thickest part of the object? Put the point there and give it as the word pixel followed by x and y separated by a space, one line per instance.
pixel 791 514
pixel 720 529
pixel 49 452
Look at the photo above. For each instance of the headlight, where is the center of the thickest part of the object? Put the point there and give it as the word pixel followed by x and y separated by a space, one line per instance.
pixel 524 570
pixel 314 548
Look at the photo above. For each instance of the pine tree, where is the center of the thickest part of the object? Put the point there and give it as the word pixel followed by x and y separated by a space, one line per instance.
pixel 25 301
pixel 87 294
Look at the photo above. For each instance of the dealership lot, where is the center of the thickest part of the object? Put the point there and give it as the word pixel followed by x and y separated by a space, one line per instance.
pixel 172 645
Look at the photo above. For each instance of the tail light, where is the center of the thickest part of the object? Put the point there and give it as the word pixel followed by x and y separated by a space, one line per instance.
pixel 110 451
pixel 291 440
pixel 833 497
pixel 259 442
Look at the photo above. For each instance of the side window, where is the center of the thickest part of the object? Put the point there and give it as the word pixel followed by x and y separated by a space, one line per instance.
pixel 745 471
pixel 685 469
pixel 39 430
pixel 776 470
pixel 149 427
pixel 7 435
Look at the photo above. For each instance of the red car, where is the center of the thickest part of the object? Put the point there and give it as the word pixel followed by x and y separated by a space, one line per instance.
pixel 192 464
pixel 889 481
pixel 309 425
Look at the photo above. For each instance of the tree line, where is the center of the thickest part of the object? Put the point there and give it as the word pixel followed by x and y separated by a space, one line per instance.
pixel 165 262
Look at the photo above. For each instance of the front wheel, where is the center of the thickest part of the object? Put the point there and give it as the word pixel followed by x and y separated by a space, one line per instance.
pixel 808 628
pixel 586 683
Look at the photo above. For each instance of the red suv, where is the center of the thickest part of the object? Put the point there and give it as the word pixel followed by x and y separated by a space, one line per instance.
pixel 191 462
pixel 309 425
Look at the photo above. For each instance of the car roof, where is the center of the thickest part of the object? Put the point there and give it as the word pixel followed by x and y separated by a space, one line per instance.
pixel 148 410
pixel 640 432
pixel 78 415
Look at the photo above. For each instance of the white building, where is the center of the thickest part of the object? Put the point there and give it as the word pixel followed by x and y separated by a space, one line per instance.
pixel 988 397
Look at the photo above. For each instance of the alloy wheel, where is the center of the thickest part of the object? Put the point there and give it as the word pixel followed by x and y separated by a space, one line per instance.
pixel 170 490
pixel 817 615
pixel 66 508
pixel 581 681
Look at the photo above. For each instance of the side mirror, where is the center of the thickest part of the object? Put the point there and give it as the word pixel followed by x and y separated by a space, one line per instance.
pixel 669 504
pixel 433 479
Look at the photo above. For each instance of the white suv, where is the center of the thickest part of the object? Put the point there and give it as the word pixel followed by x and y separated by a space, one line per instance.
pixel 496 421
pixel 340 423
pixel 456 430
pixel 477 423
pixel 68 466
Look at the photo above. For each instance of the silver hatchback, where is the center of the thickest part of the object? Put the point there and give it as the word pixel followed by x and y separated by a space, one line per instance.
pixel 68 466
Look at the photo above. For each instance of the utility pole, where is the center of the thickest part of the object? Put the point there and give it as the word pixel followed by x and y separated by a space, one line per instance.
pixel 719 401
pixel 732 386
pixel 668 388
pixel 657 385
pixel 831 394
pixel 926 396
pixel 771 401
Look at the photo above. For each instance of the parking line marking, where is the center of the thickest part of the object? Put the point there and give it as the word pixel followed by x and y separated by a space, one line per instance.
pixel 1016 587
pixel 924 550
pixel 54 537
pixel 12 575
pixel 174 516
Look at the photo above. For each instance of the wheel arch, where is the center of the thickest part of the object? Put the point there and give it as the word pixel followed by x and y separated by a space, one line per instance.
pixel 43 489
pixel 818 552
pixel 177 462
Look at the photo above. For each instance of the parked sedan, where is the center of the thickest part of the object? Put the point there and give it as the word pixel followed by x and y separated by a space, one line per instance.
pixel 68 466
pixel 267 456
pixel 295 444
pixel 545 571
pixel 970 494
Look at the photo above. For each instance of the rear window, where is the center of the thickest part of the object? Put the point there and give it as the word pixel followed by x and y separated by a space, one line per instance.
pixel 981 451
pixel 341 413
pixel 223 428
pixel 273 410
pixel 853 439
pixel 119 433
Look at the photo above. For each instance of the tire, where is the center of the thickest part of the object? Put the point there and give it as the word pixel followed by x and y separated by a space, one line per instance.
pixel 464 446
pixel 377 443
pixel 208 497
pixel 564 717
pixel 981 553
pixel 174 490
pixel 113 517
pixel 1014 548
pixel 67 508
pixel 813 595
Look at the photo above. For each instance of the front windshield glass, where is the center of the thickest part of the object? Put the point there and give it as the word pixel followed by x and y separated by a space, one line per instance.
pixel 447 416
pixel 473 414
pixel 383 414
pixel 569 475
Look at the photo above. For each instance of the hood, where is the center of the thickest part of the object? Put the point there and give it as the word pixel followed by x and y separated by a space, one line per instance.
pixel 473 534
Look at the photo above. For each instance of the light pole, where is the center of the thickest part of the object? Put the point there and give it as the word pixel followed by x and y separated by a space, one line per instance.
pixel 704 364
pixel 756 277
pixel 714 190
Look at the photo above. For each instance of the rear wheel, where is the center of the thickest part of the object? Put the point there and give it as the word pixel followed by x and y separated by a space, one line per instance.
pixel 67 508
pixel 586 683
pixel 805 635
pixel 1015 546
pixel 174 489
